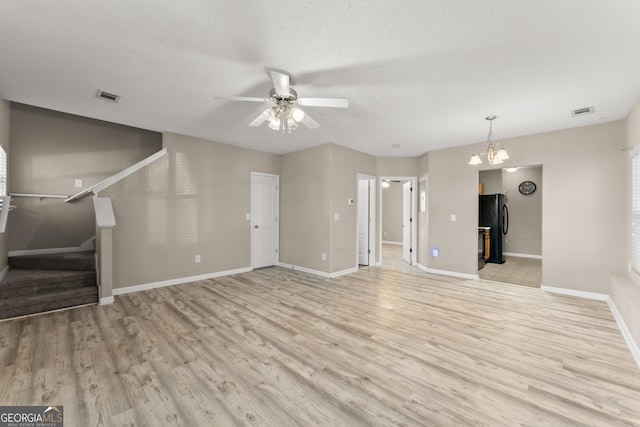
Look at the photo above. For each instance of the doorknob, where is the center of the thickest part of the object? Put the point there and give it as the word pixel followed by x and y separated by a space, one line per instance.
pixel 256 226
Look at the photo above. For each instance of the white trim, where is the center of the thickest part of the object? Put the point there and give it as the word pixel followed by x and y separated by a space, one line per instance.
pixel 387 242
pixel 49 251
pixel 178 281
pixel 372 217
pixel 318 272
pixel 575 293
pixel 4 272
pixel 514 254
pixel 447 273
pixel 107 300
pixel 626 334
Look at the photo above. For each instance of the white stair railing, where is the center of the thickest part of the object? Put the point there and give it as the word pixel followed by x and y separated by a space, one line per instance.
pixel 96 188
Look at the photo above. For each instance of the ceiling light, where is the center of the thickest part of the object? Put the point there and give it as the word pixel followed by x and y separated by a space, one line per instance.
pixel 511 170
pixel 385 184
pixel 296 114
pixel 495 154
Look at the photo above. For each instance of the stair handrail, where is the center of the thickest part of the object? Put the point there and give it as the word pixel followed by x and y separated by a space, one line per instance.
pixel 39 196
pixel 96 188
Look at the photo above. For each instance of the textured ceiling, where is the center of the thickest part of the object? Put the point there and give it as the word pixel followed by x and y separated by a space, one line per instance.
pixel 421 73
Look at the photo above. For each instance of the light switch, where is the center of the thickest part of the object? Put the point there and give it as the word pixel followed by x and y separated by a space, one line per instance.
pixel 336 217
pixel 453 217
pixel 79 183
pixel 247 216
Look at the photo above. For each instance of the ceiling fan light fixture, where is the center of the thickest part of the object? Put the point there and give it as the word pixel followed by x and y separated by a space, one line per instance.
pixel 296 114
pixel 274 123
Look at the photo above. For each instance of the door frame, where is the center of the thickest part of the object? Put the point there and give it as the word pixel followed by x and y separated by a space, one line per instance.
pixel 252 214
pixel 414 214
pixel 372 216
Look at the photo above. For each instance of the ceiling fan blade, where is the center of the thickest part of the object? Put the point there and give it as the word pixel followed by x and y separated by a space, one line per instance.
pixel 243 98
pixel 280 83
pixel 258 120
pixel 309 122
pixel 324 102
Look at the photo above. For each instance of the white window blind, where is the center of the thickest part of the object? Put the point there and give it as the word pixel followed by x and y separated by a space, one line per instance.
pixel 635 209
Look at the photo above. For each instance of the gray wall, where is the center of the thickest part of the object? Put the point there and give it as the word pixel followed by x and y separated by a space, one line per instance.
pixel 49 151
pixel 585 158
pixel 492 180
pixel 346 164
pixel 5 138
pixel 392 213
pixel 316 184
pixel 525 212
pixel 191 202
pixel 305 208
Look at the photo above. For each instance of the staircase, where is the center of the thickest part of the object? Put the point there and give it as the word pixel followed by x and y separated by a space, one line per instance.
pixel 39 283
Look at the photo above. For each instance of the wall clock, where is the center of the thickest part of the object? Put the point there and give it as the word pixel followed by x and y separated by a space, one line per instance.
pixel 527 187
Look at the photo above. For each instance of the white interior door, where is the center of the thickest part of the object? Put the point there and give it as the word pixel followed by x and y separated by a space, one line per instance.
pixel 364 218
pixel 264 219
pixel 407 222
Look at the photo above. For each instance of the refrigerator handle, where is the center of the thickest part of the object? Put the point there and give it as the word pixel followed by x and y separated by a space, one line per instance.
pixel 505 219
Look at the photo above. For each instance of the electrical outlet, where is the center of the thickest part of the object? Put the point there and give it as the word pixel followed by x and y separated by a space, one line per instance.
pixel 324 256
pixel 198 259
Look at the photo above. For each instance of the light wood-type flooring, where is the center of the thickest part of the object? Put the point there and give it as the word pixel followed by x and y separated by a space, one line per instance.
pixel 276 347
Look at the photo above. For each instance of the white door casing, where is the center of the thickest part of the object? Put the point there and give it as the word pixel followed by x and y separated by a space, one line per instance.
pixel 407 221
pixel 265 208
pixel 364 217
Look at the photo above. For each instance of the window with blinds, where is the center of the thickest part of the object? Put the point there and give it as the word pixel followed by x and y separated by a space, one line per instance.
pixel 3 171
pixel 635 209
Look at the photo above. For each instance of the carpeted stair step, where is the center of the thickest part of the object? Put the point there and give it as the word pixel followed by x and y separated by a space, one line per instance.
pixel 42 302
pixel 30 282
pixel 76 261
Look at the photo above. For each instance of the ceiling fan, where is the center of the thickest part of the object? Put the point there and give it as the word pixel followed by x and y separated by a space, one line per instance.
pixel 285 114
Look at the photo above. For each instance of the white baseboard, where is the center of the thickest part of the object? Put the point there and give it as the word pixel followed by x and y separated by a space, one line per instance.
pixel 4 272
pixel 447 273
pixel 107 300
pixel 387 242
pixel 178 281
pixel 575 293
pixel 633 346
pixel 517 255
pixel 318 272
pixel 626 334
pixel 49 251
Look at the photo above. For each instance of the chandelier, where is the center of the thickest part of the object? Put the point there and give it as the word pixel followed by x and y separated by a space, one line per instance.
pixel 495 154
pixel 283 116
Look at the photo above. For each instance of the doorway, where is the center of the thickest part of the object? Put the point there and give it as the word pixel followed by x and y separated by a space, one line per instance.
pixel 366 234
pixel 521 250
pixel 398 210
pixel 265 230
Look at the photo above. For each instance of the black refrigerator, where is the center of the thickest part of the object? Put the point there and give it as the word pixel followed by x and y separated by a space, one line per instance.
pixel 494 213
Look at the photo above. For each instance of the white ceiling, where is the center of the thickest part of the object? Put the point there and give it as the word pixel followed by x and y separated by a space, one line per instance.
pixel 420 73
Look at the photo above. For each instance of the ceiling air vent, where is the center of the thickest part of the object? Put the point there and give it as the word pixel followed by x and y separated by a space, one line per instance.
pixel 582 111
pixel 106 96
